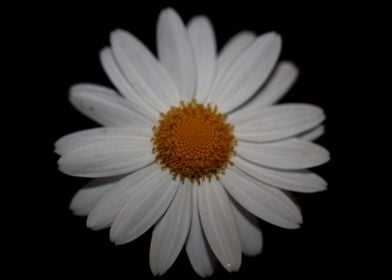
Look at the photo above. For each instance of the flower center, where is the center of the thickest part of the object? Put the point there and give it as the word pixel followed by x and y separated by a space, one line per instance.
pixel 193 141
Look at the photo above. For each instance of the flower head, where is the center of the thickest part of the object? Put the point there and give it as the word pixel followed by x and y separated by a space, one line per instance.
pixel 192 144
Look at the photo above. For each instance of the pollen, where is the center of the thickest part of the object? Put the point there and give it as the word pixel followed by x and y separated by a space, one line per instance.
pixel 193 141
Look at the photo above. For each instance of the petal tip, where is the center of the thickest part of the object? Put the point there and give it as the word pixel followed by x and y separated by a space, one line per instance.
pixel 232 267
pixel 104 52
pixel 272 34
pixel 154 273
pixel 199 19
pixel 168 10
pixel 61 167
pixel 294 225
pixel 323 185
pixel 117 31
pixel 92 223
pixel 117 236
pixel 56 150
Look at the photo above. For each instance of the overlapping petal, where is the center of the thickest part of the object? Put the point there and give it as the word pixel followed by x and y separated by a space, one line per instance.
pixel 219 225
pixel 176 54
pixel 217 219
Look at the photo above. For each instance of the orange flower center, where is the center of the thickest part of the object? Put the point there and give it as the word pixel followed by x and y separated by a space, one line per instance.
pixel 193 141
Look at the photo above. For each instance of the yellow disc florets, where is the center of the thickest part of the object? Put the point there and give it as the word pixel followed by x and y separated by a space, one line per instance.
pixel 193 141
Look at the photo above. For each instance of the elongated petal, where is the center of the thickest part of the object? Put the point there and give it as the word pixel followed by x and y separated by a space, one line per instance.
pixel 104 107
pixel 267 203
pixel 292 180
pixel 278 84
pixel 145 73
pixel 230 52
pixel 201 34
pixel 276 122
pixel 132 74
pixel 95 88
pixel 312 134
pixel 110 204
pixel 249 229
pixel 170 233
pixel 199 252
pixel 219 225
pixel 287 154
pixel 119 80
pixel 144 207
pixel 107 158
pixel 248 72
pixel 77 139
pixel 175 52
pixel 85 199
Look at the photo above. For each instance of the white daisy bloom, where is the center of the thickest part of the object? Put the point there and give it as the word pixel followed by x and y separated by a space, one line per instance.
pixel 193 145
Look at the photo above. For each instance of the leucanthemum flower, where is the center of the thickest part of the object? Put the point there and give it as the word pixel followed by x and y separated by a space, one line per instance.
pixel 192 144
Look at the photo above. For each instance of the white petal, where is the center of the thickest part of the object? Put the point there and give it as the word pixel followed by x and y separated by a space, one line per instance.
pixel 201 34
pixel 95 88
pixel 77 139
pixel 267 203
pixel 280 81
pixel 175 52
pixel 117 77
pixel 107 158
pixel 199 252
pixel 106 108
pixel 230 52
pixel 133 76
pixel 110 204
pixel 144 72
pixel 219 225
pixel 275 122
pixel 292 180
pixel 249 229
pixel 170 233
pixel 287 154
pixel 312 134
pixel 248 72
pixel 85 199
pixel 144 207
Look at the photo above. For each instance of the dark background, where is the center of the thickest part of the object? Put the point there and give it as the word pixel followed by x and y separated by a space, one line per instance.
pixel 58 45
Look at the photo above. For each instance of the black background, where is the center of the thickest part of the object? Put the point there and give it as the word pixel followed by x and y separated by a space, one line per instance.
pixel 57 45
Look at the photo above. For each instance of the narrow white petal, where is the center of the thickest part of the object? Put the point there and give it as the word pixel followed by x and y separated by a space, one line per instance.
pixel 77 139
pixel 110 204
pixel 275 122
pixel 201 34
pixel 278 84
pixel 107 158
pixel 248 72
pixel 145 73
pixel 292 180
pixel 95 88
pixel 106 108
pixel 118 79
pixel 230 52
pixel 313 134
pixel 219 224
pixel 287 154
pixel 199 252
pixel 133 76
pixel 267 203
pixel 249 229
pixel 85 199
pixel 144 207
pixel 175 52
pixel 170 233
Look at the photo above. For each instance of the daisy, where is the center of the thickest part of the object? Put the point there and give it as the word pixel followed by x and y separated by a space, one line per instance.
pixel 192 144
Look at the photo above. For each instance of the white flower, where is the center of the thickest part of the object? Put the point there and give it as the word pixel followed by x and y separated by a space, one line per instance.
pixel 193 144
